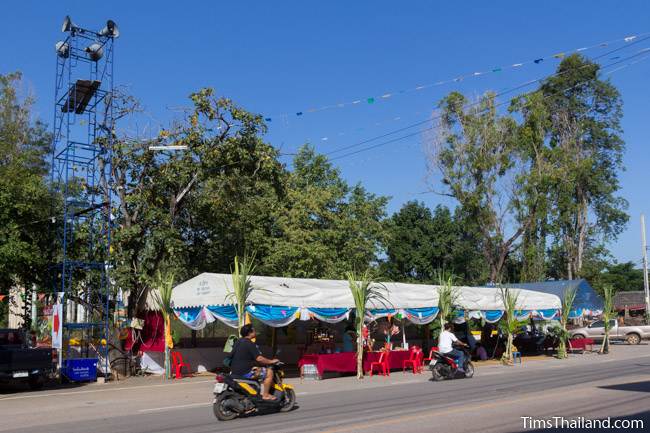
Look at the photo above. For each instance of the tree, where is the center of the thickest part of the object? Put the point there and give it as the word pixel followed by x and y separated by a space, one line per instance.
pixel 187 205
pixel 484 170
pixel 568 297
pixel 609 312
pixel 621 276
pixel 365 291
pixel 418 242
pixel 324 225
pixel 583 117
pixel 162 295
pixel 447 298
pixel 242 288
pixel 509 322
pixel 26 244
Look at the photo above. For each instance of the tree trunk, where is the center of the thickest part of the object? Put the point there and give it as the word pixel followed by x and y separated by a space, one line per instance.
pixel 604 349
pixel 360 349
pixel 507 355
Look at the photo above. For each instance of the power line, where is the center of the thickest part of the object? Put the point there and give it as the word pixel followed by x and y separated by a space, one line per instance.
pixel 505 92
pixel 389 94
pixel 645 50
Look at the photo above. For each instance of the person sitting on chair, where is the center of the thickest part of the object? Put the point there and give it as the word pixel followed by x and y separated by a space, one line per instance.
pixel 245 358
pixel 445 345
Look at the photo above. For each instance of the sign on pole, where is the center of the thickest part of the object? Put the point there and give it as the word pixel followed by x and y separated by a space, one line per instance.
pixel 57 325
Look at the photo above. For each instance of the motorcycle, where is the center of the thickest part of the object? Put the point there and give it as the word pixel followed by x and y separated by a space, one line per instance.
pixel 236 396
pixel 445 367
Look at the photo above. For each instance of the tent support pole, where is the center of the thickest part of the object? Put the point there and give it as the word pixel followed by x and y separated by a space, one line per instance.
pixel 274 340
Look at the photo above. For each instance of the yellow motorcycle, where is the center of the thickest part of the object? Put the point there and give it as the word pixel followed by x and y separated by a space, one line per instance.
pixel 235 396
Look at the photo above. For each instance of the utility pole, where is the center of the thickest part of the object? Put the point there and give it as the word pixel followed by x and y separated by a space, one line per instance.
pixel 645 270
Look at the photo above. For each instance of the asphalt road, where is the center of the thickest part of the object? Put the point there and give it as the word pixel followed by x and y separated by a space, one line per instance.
pixel 593 387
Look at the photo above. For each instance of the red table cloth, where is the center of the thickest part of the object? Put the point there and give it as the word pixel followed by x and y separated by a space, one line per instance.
pixel 581 343
pixel 346 362
pixel 395 360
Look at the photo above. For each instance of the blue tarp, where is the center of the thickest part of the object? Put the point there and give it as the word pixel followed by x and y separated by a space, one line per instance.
pixel 587 300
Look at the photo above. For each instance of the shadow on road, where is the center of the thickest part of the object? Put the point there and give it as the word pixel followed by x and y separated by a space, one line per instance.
pixel 50 385
pixel 643 386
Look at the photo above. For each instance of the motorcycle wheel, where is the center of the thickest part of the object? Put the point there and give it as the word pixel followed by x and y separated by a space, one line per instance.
pixel 220 411
pixel 289 400
pixel 469 370
pixel 438 372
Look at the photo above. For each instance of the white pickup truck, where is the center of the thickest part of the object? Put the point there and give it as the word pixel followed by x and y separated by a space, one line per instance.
pixel 596 331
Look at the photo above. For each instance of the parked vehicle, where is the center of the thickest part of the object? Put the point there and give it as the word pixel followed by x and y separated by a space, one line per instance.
pixel 21 363
pixel 235 396
pixel 596 331
pixel 444 367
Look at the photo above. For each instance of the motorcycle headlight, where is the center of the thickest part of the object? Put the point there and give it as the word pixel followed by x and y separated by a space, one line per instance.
pixel 281 373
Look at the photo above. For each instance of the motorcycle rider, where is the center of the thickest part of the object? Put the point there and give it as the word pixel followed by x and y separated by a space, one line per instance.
pixel 246 355
pixel 445 346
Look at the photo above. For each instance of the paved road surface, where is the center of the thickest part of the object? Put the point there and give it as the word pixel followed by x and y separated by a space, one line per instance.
pixel 589 386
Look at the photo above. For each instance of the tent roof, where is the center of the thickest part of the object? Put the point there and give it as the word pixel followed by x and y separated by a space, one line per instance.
pixel 212 289
pixel 586 296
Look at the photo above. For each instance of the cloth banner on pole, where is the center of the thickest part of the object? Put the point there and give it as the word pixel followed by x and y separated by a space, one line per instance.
pixel 57 325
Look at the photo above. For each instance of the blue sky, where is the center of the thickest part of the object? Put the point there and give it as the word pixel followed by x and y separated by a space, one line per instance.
pixel 290 56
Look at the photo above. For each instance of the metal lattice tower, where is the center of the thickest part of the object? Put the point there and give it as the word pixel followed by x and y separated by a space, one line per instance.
pixel 81 157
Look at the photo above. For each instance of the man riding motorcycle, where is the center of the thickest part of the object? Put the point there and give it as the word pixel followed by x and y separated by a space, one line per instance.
pixel 245 358
pixel 446 346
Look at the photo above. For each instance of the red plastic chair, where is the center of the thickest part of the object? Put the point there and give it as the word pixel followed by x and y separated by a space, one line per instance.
pixel 178 364
pixel 430 358
pixel 414 360
pixel 381 365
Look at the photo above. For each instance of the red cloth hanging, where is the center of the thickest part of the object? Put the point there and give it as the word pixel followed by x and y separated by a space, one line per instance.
pixel 151 338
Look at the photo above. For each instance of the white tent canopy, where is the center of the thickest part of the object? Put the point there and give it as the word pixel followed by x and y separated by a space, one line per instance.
pixel 212 289
pixel 209 292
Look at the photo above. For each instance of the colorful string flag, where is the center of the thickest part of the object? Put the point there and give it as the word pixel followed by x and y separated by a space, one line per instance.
pixel 2 297
pixel 41 296
pixel 268 119
pixel 458 78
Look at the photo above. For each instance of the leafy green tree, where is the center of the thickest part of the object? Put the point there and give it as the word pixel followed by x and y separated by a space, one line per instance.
pixel 25 201
pixel 186 208
pixel 621 276
pixel 419 242
pixel 484 169
pixel 584 135
pixel 410 243
pixel 324 225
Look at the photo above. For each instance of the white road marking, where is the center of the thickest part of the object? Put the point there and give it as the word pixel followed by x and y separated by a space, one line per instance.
pixel 90 391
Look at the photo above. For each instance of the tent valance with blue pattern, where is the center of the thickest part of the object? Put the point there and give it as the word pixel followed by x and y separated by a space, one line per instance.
pixel 278 301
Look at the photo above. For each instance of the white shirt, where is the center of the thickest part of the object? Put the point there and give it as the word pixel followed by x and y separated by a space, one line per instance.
pixel 445 342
